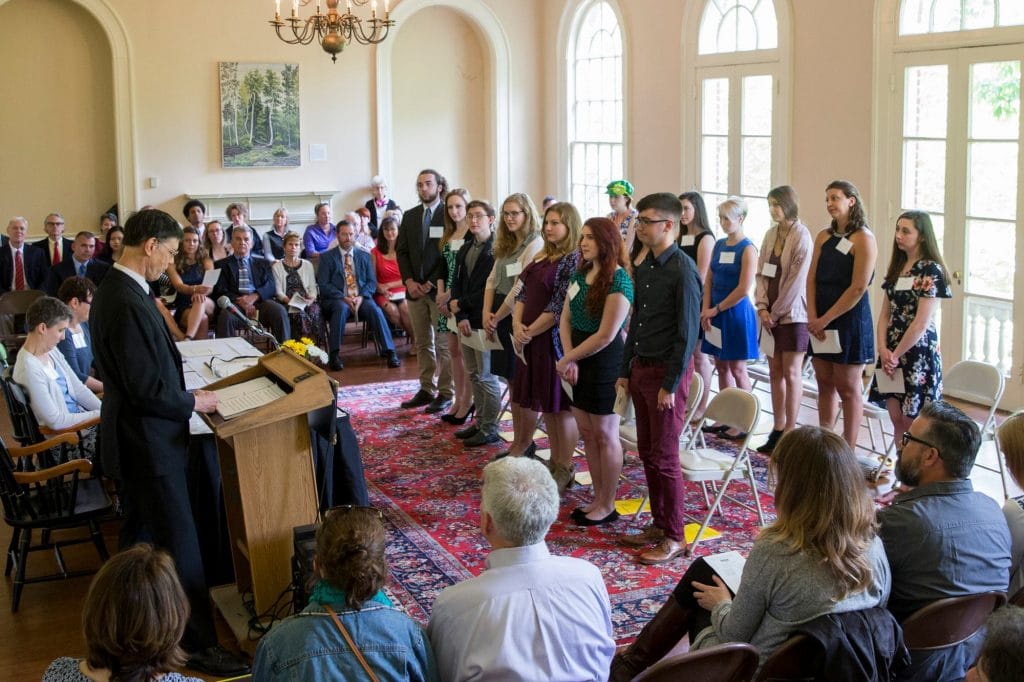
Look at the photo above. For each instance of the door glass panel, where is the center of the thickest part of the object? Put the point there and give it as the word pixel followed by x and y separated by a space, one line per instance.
pixel 926 95
pixel 995 100
pixel 992 180
pixel 757 105
pixel 979 14
pixel 924 174
pixel 714 176
pixel 757 166
pixel 715 99
pixel 990 258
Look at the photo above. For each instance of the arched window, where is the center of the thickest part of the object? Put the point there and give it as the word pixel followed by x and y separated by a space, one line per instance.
pixel 741 104
pixel 595 124
pixel 951 125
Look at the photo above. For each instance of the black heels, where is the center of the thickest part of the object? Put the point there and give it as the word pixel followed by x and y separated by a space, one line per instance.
pixel 450 418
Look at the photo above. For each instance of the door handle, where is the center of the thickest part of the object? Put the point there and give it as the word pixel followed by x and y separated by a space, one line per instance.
pixel 956 276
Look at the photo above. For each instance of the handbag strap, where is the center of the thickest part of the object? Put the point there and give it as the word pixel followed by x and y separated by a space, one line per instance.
pixel 351 644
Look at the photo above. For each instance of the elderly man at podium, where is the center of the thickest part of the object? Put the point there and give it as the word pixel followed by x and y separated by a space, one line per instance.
pixel 144 421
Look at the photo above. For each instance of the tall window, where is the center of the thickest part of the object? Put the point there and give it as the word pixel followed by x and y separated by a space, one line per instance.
pixel 595 106
pixel 737 90
pixel 957 77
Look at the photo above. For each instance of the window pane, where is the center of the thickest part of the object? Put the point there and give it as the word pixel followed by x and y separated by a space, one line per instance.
pixel 711 201
pixel 914 17
pixel 758 220
pixel 767 26
pixel 746 31
pixel 945 16
pixel 939 227
pixel 757 105
pixel 992 180
pixel 1011 13
pixel 924 175
pixel 995 100
pixel 578 153
pixel 979 14
pixel 714 175
pixel 990 258
pixel 715 105
pixel 738 25
pixel 757 166
pixel 926 95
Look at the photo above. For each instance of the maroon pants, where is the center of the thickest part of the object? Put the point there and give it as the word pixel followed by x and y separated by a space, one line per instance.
pixel 657 437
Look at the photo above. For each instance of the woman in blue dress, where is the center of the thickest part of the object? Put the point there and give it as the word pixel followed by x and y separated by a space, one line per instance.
pixel 728 317
pixel 842 265
pixel 908 343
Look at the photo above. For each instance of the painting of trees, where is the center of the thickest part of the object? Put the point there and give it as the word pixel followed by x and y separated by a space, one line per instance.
pixel 259 114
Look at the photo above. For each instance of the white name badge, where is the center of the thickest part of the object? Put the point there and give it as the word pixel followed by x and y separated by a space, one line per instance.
pixel 727 257
pixel 78 339
pixel 904 284
pixel 456 244
pixel 844 245
pixel 687 240
pixel 574 289
pixel 513 269
pixel 436 232
pixel 769 270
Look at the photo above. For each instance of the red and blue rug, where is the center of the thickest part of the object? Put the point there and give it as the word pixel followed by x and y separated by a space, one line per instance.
pixel 428 486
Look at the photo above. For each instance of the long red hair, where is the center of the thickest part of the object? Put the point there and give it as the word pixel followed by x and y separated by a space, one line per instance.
pixel 611 254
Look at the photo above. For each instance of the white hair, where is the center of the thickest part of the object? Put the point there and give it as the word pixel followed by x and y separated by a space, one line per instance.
pixel 734 207
pixel 378 181
pixel 18 219
pixel 522 498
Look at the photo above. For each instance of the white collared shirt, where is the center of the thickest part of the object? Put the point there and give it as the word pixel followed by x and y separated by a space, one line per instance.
pixel 529 616
pixel 14 250
pixel 139 279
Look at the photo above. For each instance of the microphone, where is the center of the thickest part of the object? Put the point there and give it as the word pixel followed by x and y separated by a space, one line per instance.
pixel 224 303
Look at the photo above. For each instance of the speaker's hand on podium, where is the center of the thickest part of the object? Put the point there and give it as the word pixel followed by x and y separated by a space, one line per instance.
pixel 206 401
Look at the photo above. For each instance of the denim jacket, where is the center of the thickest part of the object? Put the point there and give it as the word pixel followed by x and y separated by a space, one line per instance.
pixel 308 646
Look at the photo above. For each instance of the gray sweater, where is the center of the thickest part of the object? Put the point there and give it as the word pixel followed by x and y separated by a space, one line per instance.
pixel 781 589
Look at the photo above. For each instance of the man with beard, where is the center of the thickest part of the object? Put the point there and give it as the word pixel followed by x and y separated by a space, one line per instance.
pixel 421 265
pixel 942 538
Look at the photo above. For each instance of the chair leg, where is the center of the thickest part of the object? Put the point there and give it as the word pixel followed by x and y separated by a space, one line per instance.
pixel 19 575
pixel 97 539
pixel 755 493
pixel 12 551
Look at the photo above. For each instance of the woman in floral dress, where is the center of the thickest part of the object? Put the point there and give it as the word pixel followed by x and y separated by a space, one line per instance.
pixel 294 276
pixel 454 235
pixel 907 339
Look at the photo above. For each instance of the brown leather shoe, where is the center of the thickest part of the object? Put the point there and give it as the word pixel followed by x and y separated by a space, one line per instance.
pixel 667 550
pixel 651 535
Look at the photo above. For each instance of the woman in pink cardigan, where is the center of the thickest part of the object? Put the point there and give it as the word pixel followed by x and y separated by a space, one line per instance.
pixel 781 302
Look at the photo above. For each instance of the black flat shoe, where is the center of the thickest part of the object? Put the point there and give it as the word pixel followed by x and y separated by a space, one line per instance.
pixel 582 520
pixel 769 445
pixel 721 428
pixel 737 436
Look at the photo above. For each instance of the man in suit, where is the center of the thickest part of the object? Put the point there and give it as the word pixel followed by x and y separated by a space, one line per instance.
pixel 347 285
pixel 21 267
pixel 421 265
pixel 249 283
pixel 81 264
pixel 144 421
pixel 55 245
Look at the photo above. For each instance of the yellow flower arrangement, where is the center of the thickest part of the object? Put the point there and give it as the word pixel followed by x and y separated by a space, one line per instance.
pixel 306 348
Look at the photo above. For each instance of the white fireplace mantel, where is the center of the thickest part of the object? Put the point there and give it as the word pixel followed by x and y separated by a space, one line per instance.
pixel 261 206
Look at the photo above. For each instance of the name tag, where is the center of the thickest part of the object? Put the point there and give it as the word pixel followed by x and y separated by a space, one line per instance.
pixel 456 244
pixel 574 289
pixel 78 339
pixel 687 240
pixel 904 284
pixel 727 257
pixel 769 270
pixel 513 269
pixel 844 245
pixel 436 232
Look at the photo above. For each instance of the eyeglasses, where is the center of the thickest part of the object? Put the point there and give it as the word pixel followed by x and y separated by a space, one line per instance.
pixel 53 224
pixel 647 222
pixel 171 253
pixel 908 436
pixel 510 214
pixel 477 216
pixel 346 508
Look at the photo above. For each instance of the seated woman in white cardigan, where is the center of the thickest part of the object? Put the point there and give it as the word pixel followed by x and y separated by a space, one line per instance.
pixel 57 397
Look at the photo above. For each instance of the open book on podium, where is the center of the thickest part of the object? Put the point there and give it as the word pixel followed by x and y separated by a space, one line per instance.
pixel 266 468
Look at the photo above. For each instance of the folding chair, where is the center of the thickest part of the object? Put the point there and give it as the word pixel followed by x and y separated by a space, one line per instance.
pixel 798 658
pixel 731 662
pixel 948 622
pixel 983 384
pixel 739 410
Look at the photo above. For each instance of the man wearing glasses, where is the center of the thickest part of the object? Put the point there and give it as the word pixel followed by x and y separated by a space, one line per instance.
pixel 942 538
pixel 657 367
pixel 56 247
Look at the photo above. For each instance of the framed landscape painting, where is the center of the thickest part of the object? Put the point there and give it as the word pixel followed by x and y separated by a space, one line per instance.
pixel 259 115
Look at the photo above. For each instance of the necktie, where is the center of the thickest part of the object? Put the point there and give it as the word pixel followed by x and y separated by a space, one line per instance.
pixel 244 282
pixel 19 272
pixel 81 270
pixel 427 215
pixel 350 276
pixel 56 252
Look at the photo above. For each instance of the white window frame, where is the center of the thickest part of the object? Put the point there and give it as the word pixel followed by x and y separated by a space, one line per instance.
pixel 571 21
pixel 776 62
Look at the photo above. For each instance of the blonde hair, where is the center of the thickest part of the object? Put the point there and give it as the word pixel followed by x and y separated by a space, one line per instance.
pixel 734 207
pixel 1010 436
pixel 505 240
pixel 831 519
pixel 570 217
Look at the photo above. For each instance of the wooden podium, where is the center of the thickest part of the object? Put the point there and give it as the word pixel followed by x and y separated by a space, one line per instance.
pixel 267 472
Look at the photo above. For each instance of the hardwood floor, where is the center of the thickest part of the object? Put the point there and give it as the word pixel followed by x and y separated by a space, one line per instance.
pixel 48 623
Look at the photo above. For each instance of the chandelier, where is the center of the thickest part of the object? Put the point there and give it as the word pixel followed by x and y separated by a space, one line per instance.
pixel 332 30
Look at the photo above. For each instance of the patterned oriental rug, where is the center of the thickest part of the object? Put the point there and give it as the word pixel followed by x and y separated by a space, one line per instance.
pixel 428 487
